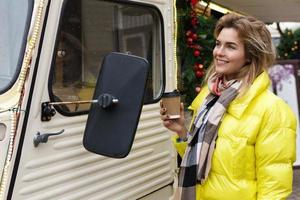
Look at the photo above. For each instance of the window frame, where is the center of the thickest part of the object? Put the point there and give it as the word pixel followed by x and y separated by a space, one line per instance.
pixel 124 2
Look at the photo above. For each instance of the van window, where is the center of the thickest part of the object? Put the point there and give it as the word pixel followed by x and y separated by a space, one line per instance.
pixel 14 24
pixel 91 29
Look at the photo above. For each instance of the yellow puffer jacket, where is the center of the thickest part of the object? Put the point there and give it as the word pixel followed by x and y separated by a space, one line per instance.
pixel 255 148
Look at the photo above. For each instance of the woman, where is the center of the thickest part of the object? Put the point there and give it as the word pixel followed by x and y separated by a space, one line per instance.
pixel 241 145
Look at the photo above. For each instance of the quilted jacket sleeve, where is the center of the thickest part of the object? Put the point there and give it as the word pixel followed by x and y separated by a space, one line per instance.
pixel 275 151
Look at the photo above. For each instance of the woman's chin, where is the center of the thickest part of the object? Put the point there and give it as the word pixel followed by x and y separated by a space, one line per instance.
pixel 220 70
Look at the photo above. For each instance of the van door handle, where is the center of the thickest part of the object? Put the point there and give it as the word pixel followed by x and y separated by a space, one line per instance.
pixel 43 138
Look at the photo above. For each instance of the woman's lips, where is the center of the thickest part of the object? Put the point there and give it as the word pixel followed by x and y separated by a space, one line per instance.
pixel 221 62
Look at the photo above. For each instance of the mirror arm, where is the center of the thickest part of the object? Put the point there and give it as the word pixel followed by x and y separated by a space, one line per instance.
pixel 104 101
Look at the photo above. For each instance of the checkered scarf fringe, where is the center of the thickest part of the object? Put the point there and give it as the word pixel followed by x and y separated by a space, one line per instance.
pixel 196 162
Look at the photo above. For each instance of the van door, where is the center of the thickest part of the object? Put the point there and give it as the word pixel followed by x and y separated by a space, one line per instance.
pixel 15 20
pixel 77 35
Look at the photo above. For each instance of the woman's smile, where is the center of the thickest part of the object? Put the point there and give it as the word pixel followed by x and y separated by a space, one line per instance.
pixel 229 53
pixel 221 61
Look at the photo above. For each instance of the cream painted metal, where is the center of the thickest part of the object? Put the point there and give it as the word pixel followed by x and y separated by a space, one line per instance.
pixel 62 168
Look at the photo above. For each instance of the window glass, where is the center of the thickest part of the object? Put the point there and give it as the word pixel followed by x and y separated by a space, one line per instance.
pixel 91 29
pixel 13 23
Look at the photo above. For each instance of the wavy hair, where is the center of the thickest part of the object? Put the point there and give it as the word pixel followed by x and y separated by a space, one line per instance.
pixel 259 49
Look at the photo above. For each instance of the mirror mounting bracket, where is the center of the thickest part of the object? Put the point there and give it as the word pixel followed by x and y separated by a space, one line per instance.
pixel 106 100
pixel 47 111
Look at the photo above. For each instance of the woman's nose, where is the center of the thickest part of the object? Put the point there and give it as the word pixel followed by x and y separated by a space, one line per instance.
pixel 219 51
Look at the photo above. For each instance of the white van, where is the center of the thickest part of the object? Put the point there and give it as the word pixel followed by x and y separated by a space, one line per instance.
pixel 51 51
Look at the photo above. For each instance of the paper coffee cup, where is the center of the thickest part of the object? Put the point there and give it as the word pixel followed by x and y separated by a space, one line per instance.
pixel 171 101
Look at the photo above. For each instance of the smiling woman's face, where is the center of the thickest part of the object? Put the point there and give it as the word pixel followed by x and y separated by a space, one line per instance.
pixel 229 53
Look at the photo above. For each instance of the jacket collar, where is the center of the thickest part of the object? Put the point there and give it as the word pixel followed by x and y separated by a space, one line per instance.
pixel 239 105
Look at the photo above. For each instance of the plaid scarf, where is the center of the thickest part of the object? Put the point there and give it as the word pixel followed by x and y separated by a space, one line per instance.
pixel 196 162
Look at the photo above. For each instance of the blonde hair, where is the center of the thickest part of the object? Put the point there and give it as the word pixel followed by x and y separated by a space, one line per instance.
pixel 259 49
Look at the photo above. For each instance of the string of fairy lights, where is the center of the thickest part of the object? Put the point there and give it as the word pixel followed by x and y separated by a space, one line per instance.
pixel 175 42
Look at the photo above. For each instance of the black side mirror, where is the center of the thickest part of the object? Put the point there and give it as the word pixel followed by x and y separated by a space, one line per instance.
pixel 113 120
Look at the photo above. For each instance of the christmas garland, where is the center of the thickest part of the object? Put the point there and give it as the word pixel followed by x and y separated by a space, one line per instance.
pixel 195 42
pixel 288 47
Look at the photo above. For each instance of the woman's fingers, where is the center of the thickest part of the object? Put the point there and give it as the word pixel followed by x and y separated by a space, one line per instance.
pixel 169 124
pixel 161 104
pixel 181 108
pixel 164 117
pixel 166 123
pixel 175 125
pixel 163 111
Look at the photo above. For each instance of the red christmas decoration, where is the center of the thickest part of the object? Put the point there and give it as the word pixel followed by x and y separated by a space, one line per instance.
pixel 193 13
pixel 194 36
pixel 196 30
pixel 194 2
pixel 199 73
pixel 198 67
pixel 190 40
pixel 196 53
pixel 194 21
pixel 195 46
pixel 188 33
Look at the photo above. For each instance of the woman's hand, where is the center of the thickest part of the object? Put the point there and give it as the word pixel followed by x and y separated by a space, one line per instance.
pixel 175 125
